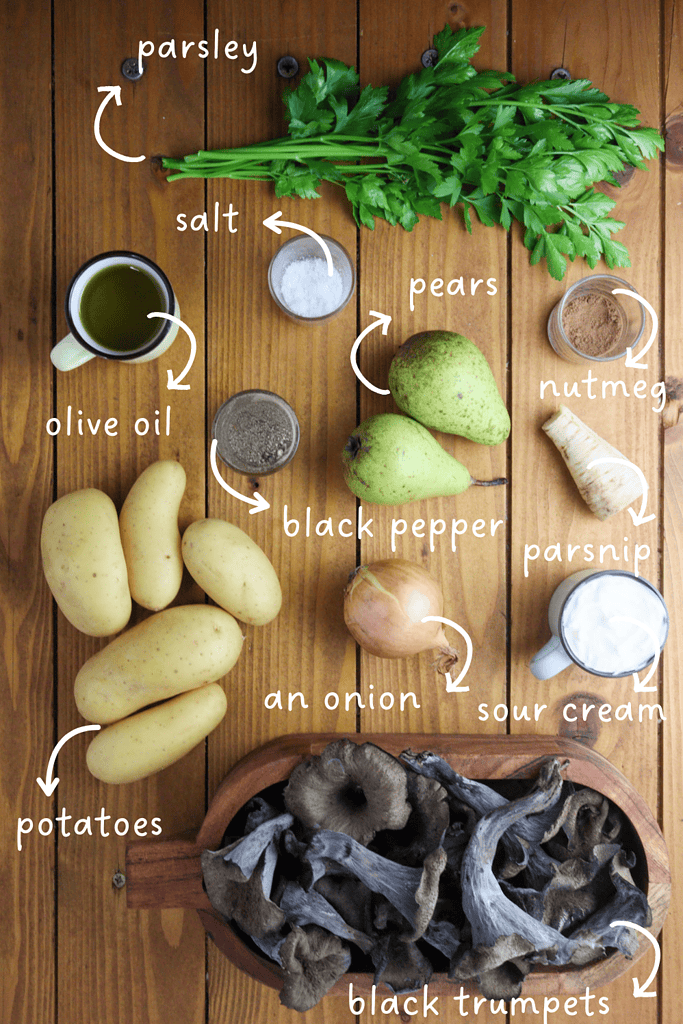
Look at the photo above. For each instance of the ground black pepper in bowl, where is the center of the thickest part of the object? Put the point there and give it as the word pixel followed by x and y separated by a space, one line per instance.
pixel 257 432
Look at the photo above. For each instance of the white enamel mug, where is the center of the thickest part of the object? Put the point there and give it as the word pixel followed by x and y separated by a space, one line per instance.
pixel 558 654
pixel 79 346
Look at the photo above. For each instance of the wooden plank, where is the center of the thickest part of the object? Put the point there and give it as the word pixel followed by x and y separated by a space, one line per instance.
pixel 673 524
pixel 672 732
pixel 147 965
pixel 26 673
pixel 252 345
pixel 595 41
pixel 473 577
pixel 109 956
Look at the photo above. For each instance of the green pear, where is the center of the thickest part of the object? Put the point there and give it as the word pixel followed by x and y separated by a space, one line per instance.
pixel 443 381
pixel 390 459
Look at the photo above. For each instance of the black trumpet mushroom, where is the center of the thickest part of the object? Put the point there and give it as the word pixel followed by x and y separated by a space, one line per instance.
pixel 356 790
pixel 313 960
pixel 403 867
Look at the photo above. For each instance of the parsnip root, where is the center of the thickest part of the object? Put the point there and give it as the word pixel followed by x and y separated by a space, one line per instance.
pixel 608 487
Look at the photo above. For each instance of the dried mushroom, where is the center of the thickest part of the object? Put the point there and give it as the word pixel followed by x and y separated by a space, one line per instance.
pixel 444 936
pixel 245 852
pixel 259 811
pixel 413 891
pixel 481 799
pixel 243 901
pixel 398 866
pixel 501 929
pixel 425 828
pixel 301 908
pixel 313 960
pixel 504 981
pixel 627 904
pixel 357 790
pixel 584 820
pixel 350 898
pixel 400 965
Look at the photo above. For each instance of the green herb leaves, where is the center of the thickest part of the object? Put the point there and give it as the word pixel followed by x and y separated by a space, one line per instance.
pixel 454 135
pixel 321 102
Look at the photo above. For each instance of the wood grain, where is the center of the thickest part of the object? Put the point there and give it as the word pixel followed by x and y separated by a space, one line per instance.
pixel 546 507
pixel 101 204
pixel 306 650
pixel 26 674
pixel 73 950
pixel 473 576
pixel 672 290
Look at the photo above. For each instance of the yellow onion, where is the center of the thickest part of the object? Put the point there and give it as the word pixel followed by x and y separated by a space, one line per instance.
pixel 384 605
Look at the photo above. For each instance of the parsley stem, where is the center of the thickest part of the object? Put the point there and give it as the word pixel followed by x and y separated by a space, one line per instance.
pixel 452 135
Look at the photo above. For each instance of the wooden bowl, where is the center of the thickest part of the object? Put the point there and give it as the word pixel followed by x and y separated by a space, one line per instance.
pixel 167 872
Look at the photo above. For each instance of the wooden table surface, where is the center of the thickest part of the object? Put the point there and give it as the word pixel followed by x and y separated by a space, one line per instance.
pixel 70 950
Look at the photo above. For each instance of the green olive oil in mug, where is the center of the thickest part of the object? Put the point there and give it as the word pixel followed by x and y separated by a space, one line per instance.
pixel 115 304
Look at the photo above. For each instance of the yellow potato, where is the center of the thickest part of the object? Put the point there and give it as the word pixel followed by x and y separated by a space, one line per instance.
pixel 153 739
pixel 175 650
pixel 150 534
pixel 83 562
pixel 233 570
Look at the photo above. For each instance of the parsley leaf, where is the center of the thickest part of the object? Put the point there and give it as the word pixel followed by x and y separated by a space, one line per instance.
pixel 455 135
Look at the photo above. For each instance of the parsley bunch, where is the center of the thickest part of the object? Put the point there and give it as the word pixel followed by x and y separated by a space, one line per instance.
pixel 454 135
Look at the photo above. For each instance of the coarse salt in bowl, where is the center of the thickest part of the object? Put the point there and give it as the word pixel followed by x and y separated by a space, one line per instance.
pixel 300 283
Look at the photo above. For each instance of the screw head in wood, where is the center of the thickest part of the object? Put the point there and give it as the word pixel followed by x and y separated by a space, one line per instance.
pixel 429 58
pixel 288 67
pixel 131 70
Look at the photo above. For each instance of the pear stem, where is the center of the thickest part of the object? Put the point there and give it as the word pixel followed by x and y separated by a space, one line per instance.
pixel 488 483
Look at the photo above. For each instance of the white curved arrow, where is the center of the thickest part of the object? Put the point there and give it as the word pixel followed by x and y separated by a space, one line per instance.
pixel 112 91
pixel 638 989
pixel 638 686
pixel 637 517
pixel 384 320
pixel 452 684
pixel 49 785
pixel 276 225
pixel 632 360
pixel 174 382
pixel 258 501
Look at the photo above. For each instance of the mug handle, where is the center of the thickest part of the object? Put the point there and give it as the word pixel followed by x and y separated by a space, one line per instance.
pixel 69 353
pixel 550 660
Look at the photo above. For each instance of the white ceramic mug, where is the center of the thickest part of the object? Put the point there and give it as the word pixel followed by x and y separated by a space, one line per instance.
pixel 557 654
pixel 79 346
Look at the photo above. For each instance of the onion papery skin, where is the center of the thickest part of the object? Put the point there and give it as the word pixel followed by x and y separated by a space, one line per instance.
pixel 384 603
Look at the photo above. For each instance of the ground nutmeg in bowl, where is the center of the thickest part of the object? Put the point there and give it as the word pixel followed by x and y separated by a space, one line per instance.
pixel 593 323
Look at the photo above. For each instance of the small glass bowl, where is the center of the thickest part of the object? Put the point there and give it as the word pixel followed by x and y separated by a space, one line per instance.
pixel 303 247
pixel 257 432
pixel 631 312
